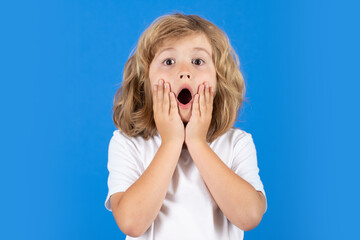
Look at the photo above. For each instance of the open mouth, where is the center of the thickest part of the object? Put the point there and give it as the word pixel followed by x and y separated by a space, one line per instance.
pixel 184 96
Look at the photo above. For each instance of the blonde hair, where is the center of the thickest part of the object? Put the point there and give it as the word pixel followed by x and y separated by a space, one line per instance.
pixel 133 107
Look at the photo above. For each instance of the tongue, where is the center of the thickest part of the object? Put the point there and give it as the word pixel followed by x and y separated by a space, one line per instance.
pixel 185 96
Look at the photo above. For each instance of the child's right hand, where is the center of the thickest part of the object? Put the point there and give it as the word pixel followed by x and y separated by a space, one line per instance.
pixel 166 114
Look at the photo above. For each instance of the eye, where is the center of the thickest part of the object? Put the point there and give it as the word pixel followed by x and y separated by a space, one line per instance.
pixel 168 61
pixel 198 61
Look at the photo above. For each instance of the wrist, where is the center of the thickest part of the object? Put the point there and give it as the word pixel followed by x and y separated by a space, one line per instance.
pixel 196 144
pixel 173 143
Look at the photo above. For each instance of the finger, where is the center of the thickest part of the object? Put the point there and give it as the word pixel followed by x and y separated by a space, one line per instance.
pixel 211 100
pixel 202 99
pixel 173 104
pixel 160 95
pixel 196 109
pixel 207 94
pixel 212 95
pixel 154 97
pixel 169 87
pixel 166 97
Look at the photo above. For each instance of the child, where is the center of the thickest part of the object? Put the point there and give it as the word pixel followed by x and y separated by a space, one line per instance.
pixel 177 167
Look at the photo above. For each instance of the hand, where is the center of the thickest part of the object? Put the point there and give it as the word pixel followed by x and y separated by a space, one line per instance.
pixel 166 114
pixel 198 125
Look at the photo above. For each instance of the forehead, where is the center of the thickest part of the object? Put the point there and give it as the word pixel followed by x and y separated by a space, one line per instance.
pixel 197 41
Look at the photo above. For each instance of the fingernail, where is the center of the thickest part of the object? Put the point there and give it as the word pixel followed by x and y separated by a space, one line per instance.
pixel 165 85
pixel 212 89
pixel 155 87
pixel 160 82
pixel 207 85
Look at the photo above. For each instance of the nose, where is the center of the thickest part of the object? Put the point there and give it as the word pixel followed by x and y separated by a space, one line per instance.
pixel 184 72
pixel 184 75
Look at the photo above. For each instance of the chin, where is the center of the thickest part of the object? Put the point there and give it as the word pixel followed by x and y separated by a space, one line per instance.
pixel 185 116
pixel 185 120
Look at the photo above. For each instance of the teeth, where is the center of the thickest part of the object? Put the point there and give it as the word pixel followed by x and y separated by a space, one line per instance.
pixel 184 96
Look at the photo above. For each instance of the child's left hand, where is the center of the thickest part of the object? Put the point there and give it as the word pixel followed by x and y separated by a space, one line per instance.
pixel 198 125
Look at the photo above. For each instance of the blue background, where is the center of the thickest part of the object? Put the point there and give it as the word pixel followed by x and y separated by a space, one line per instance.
pixel 62 62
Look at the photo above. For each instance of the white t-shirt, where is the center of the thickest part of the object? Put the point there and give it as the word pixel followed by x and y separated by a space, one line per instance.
pixel 188 211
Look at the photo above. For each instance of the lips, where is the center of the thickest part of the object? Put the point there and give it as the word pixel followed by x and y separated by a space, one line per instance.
pixel 185 96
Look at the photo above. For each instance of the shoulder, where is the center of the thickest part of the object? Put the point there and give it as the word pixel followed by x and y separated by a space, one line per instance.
pixel 138 149
pixel 238 133
pixel 233 136
pixel 121 139
pixel 233 143
pixel 119 135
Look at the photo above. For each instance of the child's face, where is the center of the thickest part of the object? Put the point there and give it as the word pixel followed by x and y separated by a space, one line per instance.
pixel 185 62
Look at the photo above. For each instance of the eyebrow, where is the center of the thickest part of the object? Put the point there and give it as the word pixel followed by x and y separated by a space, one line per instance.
pixel 195 48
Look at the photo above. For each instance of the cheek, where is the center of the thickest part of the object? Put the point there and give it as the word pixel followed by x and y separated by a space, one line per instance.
pixel 156 74
pixel 152 75
pixel 211 78
pixel 166 76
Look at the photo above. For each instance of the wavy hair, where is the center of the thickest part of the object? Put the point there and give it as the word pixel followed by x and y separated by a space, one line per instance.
pixel 133 107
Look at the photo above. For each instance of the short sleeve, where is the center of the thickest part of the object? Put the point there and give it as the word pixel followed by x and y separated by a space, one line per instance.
pixel 122 165
pixel 245 162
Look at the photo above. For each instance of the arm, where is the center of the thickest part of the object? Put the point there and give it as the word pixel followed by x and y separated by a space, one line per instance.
pixel 141 203
pixel 139 206
pixel 237 199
